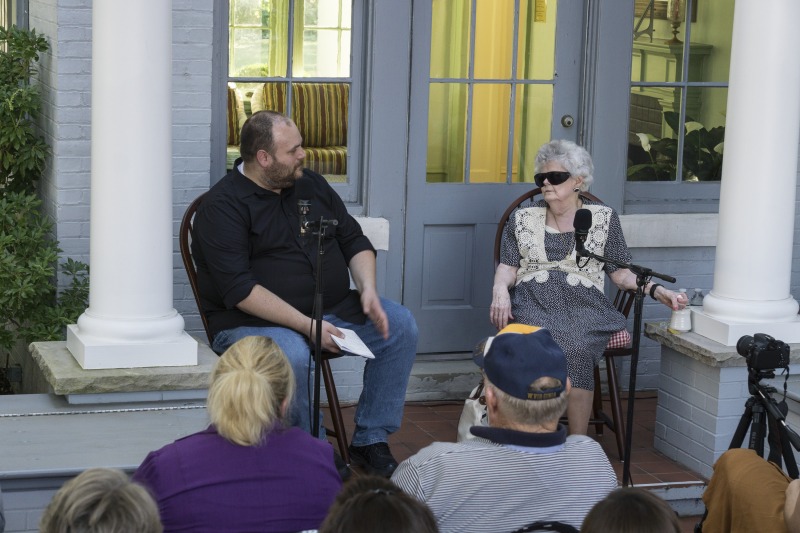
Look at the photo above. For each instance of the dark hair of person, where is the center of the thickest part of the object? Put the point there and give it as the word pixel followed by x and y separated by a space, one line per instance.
pixel 631 510
pixel 101 500
pixel 373 503
pixel 257 133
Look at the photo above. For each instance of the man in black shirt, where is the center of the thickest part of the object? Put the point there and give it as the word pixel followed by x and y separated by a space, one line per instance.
pixel 257 276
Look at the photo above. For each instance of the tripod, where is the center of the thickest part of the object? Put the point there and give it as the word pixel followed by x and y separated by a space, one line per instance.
pixel 762 413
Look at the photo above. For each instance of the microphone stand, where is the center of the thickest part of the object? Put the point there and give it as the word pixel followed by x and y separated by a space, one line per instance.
pixel 643 275
pixel 321 230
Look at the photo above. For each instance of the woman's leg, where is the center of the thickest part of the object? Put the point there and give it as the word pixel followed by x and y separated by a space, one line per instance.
pixel 579 410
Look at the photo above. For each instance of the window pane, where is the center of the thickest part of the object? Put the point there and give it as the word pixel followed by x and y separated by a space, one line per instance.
pixel 656 61
pixel 652 137
pixel 325 40
pixel 249 12
pixel 703 145
pixel 537 40
pixel 249 52
pixel 653 140
pixel 711 41
pixel 450 39
pixel 533 117
pixel 447 124
pixel 494 32
pixel 489 143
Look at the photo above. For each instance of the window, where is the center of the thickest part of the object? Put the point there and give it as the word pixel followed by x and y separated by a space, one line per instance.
pixel 294 56
pixel 679 79
pixel 491 89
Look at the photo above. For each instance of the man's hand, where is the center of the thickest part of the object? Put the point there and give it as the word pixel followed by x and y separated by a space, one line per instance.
pixel 371 305
pixel 328 329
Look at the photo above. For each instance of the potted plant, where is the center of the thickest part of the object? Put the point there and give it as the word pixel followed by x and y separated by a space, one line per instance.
pixel 30 307
pixel 702 153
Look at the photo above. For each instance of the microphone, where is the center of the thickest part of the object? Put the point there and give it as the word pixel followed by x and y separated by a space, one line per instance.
pixel 582 223
pixel 304 190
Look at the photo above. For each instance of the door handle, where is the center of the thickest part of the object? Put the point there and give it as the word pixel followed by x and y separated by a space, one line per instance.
pixel 567 121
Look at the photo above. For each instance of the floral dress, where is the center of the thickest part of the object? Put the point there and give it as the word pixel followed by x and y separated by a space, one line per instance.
pixel 580 318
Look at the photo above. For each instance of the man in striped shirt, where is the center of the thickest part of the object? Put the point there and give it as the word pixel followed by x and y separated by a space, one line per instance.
pixel 522 468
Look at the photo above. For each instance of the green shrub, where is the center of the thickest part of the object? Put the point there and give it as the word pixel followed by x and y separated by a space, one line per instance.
pixel 23 152
pixel 30 308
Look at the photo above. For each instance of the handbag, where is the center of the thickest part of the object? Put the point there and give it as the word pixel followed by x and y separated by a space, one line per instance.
pixel 473 414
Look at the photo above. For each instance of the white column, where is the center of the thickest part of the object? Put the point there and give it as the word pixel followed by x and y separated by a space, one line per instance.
pixel 131 321
pixel 752 272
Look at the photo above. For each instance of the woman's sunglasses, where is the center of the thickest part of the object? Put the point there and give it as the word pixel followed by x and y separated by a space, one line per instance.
pixel 555 177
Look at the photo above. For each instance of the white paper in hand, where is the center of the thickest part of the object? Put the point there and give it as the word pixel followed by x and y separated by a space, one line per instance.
pixel 353 344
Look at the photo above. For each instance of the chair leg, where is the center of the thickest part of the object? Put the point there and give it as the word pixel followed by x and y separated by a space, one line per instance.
pixel 335 410
pixel 597 403
pixel 616 406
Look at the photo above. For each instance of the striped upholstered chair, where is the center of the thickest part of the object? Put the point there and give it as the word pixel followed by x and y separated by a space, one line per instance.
pixel 320 112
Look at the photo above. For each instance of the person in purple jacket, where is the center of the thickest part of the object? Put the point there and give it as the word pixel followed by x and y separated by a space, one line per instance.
pixel 248 471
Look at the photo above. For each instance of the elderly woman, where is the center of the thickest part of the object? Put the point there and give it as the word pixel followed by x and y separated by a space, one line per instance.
pixel 248 471
pixel 540 281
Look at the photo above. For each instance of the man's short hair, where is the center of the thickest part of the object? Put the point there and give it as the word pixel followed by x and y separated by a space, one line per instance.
pixel 257 133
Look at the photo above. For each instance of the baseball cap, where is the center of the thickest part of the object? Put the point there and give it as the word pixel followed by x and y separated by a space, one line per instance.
pixel 518 356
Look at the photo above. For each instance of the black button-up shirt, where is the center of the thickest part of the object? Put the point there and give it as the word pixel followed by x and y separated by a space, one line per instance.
pixel 245 235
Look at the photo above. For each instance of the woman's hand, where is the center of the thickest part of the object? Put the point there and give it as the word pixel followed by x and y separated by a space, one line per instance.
pixel 500 310
pixel 673 300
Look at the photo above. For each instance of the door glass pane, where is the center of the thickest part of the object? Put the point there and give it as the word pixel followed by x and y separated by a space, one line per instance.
pixel 447 126
pixel 532 123
pixel 450 39
pixel 483 110
pixel 494 33
pixel 489 144
pixel 537 38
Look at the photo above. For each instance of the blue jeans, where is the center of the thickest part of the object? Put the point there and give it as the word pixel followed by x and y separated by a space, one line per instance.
pixel 380 407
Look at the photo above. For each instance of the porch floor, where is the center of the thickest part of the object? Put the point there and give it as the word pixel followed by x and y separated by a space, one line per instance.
pixel 425 422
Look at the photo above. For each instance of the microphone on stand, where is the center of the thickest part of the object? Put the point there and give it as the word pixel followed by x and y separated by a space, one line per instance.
pixel 582 223
pixel 304 190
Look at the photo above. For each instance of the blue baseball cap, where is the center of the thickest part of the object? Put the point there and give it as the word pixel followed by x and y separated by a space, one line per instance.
pixel 518 356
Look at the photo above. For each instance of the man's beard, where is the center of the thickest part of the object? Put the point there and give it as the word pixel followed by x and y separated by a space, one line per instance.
pixel 280 176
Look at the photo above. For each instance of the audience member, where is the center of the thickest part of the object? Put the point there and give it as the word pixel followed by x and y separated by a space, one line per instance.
pixel 373 503
pixel 631 510
pixel 523 468
pixel 101 500
pixel 748 493
pixel 248 471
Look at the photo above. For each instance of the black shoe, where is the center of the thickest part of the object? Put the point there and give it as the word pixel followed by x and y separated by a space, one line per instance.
pixel 341 467
pixel 375 458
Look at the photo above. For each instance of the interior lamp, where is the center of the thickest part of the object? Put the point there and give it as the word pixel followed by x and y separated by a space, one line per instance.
pixel 676 14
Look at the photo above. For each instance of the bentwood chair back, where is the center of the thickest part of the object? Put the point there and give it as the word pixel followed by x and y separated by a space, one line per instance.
pixel 185 235
pixel 622 302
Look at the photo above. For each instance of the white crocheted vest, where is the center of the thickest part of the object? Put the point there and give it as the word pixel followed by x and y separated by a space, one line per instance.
pixel 530 231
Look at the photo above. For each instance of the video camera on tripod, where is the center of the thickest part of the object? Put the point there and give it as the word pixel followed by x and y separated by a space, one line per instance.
pixel 764 354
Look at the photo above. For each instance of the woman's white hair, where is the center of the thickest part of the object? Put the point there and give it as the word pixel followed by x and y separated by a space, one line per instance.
pixel 575 160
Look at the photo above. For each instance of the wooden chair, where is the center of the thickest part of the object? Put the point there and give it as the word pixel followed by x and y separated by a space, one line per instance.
pixel 185 235
pixel 623 302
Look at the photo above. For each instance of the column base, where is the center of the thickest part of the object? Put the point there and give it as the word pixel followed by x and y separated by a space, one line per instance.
pixel 96 353
pixel 728 332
